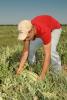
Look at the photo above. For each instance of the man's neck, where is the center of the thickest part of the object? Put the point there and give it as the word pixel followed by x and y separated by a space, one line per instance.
pixel 34 29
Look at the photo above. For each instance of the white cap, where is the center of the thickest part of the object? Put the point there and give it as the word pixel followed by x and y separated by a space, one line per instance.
pixel 24 27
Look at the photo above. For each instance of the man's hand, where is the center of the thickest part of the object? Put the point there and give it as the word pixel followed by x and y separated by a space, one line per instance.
pixel 19 70
pixel 40 77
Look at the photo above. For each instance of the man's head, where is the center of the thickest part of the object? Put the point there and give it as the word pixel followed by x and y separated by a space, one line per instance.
pixel 26 30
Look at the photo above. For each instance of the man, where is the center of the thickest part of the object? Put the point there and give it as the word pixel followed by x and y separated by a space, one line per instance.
pixel 46 30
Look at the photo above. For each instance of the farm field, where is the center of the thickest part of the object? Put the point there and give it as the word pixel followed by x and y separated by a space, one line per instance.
pixel 25 86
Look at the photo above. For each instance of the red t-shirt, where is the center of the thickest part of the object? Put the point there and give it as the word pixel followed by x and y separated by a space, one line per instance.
pixel 44 25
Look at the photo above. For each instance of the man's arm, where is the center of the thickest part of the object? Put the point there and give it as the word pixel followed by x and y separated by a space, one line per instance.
pixel 47 51
pixel 24 56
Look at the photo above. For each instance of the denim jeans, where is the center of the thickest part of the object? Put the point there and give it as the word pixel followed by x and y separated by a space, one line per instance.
pixel 55 59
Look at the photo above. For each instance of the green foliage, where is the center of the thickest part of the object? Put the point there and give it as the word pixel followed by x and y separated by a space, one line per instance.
pixel 25 86
pixel 8 35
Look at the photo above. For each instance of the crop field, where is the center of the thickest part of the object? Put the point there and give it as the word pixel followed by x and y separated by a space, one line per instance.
pixel 25 86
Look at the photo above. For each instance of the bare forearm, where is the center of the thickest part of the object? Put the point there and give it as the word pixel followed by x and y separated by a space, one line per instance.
pixel 23 60
pixel 45 65
pixel 47 52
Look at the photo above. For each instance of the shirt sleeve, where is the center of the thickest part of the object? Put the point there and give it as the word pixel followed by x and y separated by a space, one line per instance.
pixel 46 36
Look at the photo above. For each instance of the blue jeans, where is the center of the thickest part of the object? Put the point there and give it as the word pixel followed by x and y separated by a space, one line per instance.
pixel 55 59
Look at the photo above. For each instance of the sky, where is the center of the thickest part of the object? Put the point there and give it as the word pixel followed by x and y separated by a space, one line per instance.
pixel 13 11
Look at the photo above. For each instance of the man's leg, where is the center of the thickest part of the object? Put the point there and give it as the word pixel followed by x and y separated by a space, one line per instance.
pixel 34 45
pixel 55 59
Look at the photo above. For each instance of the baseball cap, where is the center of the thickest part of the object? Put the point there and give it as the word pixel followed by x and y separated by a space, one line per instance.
pixel 24 27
